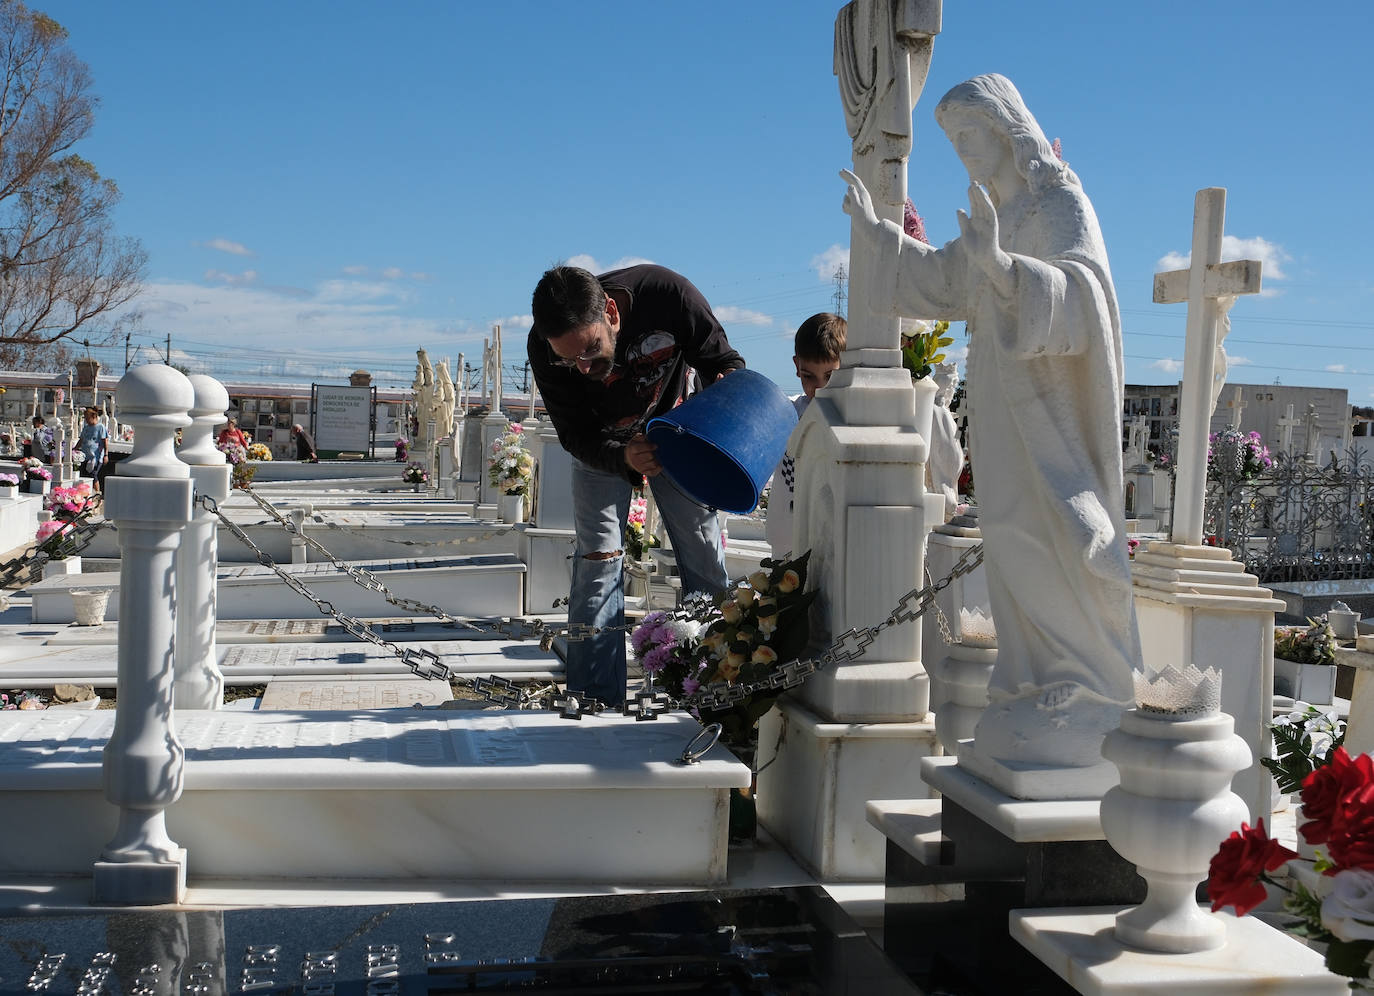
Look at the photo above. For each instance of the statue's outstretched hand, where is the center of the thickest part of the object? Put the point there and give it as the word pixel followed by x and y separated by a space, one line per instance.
pixel 979 234
pixel 858 203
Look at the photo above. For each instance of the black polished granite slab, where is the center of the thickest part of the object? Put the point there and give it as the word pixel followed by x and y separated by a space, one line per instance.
pixel 731 941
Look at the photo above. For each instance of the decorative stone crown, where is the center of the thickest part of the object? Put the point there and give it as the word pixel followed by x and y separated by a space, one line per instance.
pixel 1185 694
pixel 976 628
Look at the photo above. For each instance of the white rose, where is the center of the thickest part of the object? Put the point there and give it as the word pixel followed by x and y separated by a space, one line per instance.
pixel 1348 911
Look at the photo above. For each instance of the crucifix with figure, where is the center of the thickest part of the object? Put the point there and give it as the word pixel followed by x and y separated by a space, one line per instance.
pixel 1210 287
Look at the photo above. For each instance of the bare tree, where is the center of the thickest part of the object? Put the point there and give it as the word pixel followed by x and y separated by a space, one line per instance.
pixel 62 267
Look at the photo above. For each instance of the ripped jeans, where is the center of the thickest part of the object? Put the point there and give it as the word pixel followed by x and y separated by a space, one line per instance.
pixel 601 503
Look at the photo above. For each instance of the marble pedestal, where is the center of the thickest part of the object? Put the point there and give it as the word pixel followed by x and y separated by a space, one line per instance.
pixel 957 865
pixel 815 777
pixel 1080 947
pixel 404 794
pixel 1194 604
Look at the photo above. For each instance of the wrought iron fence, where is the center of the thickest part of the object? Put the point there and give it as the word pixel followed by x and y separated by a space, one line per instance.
pixel 1297 520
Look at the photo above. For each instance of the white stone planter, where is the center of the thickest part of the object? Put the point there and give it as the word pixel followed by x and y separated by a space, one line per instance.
pixel 36 486
pixel 1314 683
pixel 60 568
pixel 9 492
pixel 511 508
pixel 90 606
pixel 1169 815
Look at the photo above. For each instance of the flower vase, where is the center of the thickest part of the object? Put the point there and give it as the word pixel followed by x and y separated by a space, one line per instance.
pixel 1314 683
pixel 61 568
pixel 90 606
pixel 37 486
pixel 415 486
pixel 511 508
pixel 9 491
pixel 1168 816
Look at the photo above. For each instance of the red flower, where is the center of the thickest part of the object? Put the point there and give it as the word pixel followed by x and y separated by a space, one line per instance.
pixel 1233 878
pixel 1349 827
pixel 1322 791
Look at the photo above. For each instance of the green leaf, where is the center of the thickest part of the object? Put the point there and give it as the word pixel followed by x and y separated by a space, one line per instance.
pixel 1348 958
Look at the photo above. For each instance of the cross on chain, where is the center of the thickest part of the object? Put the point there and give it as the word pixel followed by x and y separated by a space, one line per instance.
pixel 1210 287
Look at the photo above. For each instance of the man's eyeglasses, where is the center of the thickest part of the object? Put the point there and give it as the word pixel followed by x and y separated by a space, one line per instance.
pixel 586 356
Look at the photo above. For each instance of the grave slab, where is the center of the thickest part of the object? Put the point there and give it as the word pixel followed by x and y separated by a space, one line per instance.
pixel 29 664
pixel 470 586
pixel 1080 947
pixel 358 693
pixel 512 796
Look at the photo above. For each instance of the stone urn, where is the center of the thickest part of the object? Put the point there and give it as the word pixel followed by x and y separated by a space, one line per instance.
pixel 511 508
pixel 90 606
pixel 1173 808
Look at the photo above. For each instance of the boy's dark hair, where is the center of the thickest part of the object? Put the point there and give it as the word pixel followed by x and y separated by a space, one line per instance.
pixel 38 420
pixel 566 298
pixel 821 337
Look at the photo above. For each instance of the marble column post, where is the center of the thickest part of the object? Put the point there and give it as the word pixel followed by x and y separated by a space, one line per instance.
pixel 198 682
pixel 150 501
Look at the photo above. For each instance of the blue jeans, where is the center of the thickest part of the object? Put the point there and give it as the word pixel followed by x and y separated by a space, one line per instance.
pixel 601 503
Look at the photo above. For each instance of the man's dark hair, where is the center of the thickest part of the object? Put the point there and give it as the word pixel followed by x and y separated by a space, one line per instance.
pixel 566 298
pixel 38 420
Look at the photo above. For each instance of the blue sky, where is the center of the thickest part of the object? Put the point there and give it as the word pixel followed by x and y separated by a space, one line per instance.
pixel 328 185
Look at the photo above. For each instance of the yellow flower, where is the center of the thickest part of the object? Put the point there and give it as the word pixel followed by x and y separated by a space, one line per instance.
pixel 766 656
pixel 759 582
pixel 745 596
pixel 729 668
pixel 789 582
pixel 730 612
pixel 768 625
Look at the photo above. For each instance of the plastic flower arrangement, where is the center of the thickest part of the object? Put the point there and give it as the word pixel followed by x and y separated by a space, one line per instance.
pixel 11 479
pixel 637 544
pixel 56 540
pixel 511 467
pixel 21 700
pixel 1232 453
pixel 742 635
pixel 402 449
pixel 1338 800
pixel 921 349
pixel 1314 643
pixel 1303 742
pixel 415 473
pixel 237 457
pixel 56 537
pixel 259 451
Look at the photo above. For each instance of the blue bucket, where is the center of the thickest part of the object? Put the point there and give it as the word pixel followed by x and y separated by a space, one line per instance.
pixel 721 446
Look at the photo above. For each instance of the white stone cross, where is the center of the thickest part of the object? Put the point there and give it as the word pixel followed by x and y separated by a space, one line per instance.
pixel 1287 424
pixel 1210 288
pixel 1313 429
pixel 1237 404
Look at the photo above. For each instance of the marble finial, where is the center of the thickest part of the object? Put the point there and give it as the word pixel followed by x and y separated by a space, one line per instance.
pixel 155 400
pixel 207 412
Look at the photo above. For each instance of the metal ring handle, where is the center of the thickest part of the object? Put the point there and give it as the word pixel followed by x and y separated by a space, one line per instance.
pixel 693 753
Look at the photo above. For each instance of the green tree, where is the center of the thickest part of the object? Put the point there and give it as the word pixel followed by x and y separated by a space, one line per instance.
pixel 62 267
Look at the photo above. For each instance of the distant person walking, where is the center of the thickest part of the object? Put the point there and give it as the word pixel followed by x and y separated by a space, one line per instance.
pixel 231 433
pixel 305 444
pixel 92 446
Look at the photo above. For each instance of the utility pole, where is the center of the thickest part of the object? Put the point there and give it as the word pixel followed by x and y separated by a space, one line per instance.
pixel 169 349
pixel 840 277
pixel 525 380
pixel 127 336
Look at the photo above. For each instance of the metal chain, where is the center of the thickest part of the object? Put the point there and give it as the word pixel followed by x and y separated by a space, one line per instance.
pixel 29 569
pixel 940 620
pixel 850 645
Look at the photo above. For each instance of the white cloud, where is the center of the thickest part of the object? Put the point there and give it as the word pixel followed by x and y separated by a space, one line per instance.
pixel 514 322
pixel 356 270
pixel 1167 365
pixel 229 246
pixel 421 275
pixel 393 273
pixel 1238 361
pixel 731 315
pixel 1270 254
pixel 232 279
pixel 1336 368
pixel 590 263
pixel 827 262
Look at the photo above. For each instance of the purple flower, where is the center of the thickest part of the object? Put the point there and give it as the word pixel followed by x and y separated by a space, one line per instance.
pixel 912 222
pixel 690 685
pixel 655 660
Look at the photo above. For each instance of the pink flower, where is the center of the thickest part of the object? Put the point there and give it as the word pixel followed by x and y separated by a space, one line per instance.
pixel 655 659
pixel 912 222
